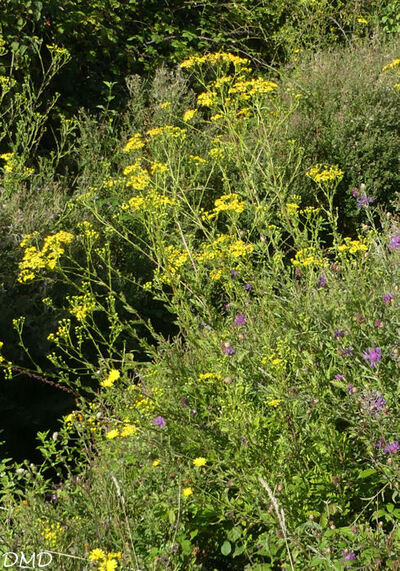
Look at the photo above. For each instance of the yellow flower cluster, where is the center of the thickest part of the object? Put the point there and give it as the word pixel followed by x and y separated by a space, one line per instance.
pixel 137 177
pixel 292 208
pixel 112 376
pixel 51 534
pixel 170 131
pixel 207 98
pixel 308 257
pixel 159 168
pixel 9 159
pixel 57 50
pixel 392 65
pixel 229 202
pixel 189 114
pixel 176 259
pixel 88 231
pixel 127 430
pixel 82 305
pixel 62 332
pixel 134 143
pixel 187 492
pixel 107 561
pixel 153 201
pixel 209 376
pixel 218 57
pixel 223 248
pixel 324 173
pixel 252 87
pixel 353 246
pixel 35 259
pixel 200 461
pixel 196 159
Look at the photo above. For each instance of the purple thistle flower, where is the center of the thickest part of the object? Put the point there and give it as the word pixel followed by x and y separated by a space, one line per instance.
pixel 380 402
pixel 159 421
pixel 234 273
pixel 240 320
pixel 381 443
pixel 339 377
pixel 394 243
pixel 248 287
pixel 351 389
pixel 378 323
pixel 373 356
pixel 228 350
pixel 244 441
pixel 322 280
pixel 387 298
pixel 348 556
pixel 392 448
pixel 364 200
pixel 338 333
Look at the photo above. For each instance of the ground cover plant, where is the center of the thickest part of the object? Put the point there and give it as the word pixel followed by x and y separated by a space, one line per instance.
pixel 228 341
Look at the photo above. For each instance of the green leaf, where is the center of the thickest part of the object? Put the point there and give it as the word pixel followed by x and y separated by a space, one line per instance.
pixel 226 548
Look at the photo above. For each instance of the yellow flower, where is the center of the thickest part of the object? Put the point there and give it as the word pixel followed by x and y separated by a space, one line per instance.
pixel 395 63
pixel 165 105
pixel 206 376
pixel 113 376
pixel 362 20
pixel 97 554
pixel 134 143
pixel 156 462
pixel 274 403
pixel 321 173
pixel 128 430
pixel 187 492
pixel 111 434
pixel 189 114
pixel 200 461
pixel 229 202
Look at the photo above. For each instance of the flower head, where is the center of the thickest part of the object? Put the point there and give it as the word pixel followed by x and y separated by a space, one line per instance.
pixel 392 448
pixel 159 421
pixel 200 461
pixel 394 243
pixel 373 355
pixel 364 200
pixel 388 297
pixel 187 492
pixel 240 320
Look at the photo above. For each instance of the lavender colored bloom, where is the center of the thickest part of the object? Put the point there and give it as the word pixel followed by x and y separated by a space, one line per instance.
pixel 193 411
pixel 240 320
pixel 392 448
pixel 183 401
pixel 381 443
pixel 322 280
pixel 380 402
pixel 248 287
pixel 234 273
pixel 364 200
pixel 348 556
pixel 338 333
pixel 244 441
pixel 229 350
pixel 355 192
pixel 373 356
pixel 387 298
pixel 351 389
pixel 346 351
pixel 378 323
pixel 159 421
pixel 339 377
pixel 394 243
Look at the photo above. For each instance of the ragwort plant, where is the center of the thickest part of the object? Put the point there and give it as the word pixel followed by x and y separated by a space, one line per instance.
pixel 265 434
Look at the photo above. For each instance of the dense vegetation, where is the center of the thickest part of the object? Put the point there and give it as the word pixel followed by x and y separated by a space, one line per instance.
pixel 199 285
